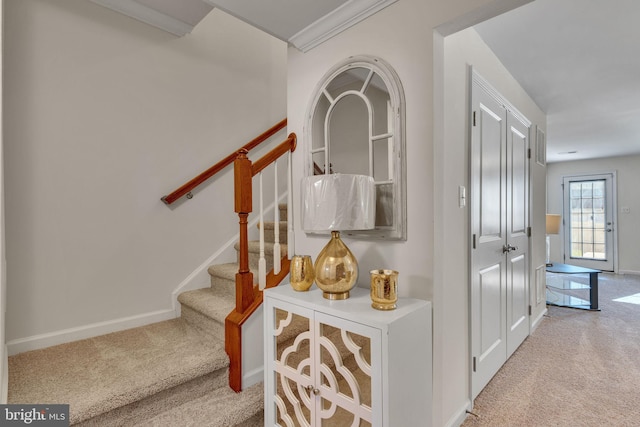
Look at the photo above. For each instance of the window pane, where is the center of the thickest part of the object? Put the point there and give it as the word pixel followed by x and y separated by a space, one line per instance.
pixel 588 219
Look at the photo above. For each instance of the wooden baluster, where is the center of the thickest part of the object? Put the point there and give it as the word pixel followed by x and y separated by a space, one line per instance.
pixel 262 262
pixel 276 220
pixel 290 235
pixel 243 206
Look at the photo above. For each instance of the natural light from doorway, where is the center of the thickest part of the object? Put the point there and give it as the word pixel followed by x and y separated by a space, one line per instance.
pixel 631 299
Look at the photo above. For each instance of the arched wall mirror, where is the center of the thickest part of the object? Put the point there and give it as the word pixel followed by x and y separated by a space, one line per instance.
pixel 355 125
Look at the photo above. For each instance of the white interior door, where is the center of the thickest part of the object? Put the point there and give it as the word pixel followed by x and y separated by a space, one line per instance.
pixel 488 225
pixel 517 223
pixel 588 221
pixel 499 225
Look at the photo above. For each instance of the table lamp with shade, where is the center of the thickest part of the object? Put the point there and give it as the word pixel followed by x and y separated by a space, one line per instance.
pixel 337 202
pixel 553 227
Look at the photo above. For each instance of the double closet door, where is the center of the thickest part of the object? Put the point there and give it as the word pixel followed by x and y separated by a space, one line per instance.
pixel 500 232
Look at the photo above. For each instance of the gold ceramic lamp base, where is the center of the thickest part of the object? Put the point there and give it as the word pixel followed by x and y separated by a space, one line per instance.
pixel 336 296
pixel 336 269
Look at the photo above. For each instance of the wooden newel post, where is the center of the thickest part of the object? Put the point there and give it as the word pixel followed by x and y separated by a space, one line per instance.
pixel 243 206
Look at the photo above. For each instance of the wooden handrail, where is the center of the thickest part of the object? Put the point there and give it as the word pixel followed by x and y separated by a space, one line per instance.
pixel 248 297
pixel 288 144
pixel 191 185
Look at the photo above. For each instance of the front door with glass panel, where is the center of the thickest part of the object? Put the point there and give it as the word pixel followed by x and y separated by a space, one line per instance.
pixel 588 221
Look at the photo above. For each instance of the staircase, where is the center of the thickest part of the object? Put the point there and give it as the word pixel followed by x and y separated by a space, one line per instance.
pixel 207 308
pixel 172 373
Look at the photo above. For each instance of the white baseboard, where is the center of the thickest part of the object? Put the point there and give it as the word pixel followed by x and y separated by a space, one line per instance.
pixel 637 273
pixel 253 377
pixel 459 416
pixel 73 334
pixel 536 322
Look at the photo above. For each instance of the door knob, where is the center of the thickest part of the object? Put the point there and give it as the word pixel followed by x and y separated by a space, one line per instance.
pixel 508 248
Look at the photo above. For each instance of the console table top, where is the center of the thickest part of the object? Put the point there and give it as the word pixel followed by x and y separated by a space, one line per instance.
pixel 556 267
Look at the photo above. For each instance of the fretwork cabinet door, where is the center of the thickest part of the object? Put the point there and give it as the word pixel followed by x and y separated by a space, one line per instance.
pixel 326 365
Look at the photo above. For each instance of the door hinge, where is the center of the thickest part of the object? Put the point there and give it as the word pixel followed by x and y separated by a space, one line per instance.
pixel 528 153
pixel 530 311
pixel 474 118
pixel 474 364
pixel 528 231
pixel 474 241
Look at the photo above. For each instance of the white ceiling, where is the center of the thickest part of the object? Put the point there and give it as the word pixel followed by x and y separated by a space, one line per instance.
pixel 280 18
pixel 302 23
pixel 580 61
pixel 189 11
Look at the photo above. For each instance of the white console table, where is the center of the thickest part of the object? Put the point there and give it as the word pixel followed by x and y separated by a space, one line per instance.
pixel 344 363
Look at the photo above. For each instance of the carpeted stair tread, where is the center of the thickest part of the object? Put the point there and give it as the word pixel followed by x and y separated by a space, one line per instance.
pixel 220 408
pixel 257 420
pixel 254 247
pixel 225 271
pixel 143 410
pixel 212 304
pixel 270 225
pixel 99 374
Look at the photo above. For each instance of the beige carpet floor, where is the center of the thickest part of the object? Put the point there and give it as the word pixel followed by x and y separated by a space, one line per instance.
pixel 579 368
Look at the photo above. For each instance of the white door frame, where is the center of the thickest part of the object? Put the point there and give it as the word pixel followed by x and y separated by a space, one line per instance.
pixel 613 216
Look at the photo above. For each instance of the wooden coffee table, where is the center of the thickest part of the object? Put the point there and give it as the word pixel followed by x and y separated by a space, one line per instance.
pixel 555 295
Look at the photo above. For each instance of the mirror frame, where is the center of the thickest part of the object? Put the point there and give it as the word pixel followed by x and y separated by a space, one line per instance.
pixel 398 230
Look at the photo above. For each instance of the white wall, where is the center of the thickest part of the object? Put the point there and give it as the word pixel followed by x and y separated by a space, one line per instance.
pixel 104 116
pixel 402 34
pixel 628 177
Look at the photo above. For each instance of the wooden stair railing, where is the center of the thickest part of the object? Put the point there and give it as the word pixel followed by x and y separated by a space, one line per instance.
pixel 195 182
pixel 248 295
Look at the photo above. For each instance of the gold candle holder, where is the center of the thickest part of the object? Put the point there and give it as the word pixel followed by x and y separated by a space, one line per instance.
pixel 384 289
pixel 302 273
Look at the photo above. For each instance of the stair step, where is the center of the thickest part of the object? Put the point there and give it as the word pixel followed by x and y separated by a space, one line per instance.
pixel 254 254
pixel 254 247
pixel 224 271
pixel 219 408
pixel 139 412
pixel 269 234
pixel 223 277
pixel 98 375
pixel 206 309
pixel 282 207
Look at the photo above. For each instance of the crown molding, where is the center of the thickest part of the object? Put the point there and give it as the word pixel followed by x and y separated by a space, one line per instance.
pixel 147 15
pixel 336 21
